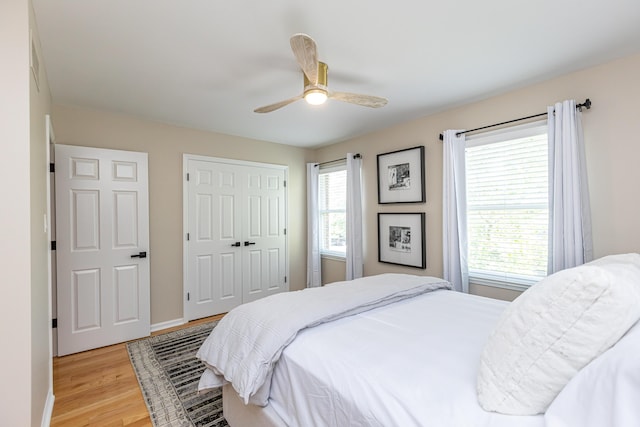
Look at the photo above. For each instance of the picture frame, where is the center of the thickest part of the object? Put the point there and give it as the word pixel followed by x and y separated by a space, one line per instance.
pixel 401 176
pixel 401 239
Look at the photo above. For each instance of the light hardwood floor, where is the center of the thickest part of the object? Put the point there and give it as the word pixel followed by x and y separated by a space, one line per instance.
pixel 99 388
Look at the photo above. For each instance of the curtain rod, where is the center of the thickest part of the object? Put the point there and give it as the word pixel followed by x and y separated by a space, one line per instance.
pixel 355 156
pixel 586 104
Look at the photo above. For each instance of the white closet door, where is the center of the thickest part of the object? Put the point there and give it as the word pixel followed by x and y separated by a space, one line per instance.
pixel 214 260
pixel 264 255
pixel 235 225
pixel 102 232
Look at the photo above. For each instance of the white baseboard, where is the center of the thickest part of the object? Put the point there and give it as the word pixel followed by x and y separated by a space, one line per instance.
pixel 47 413
pixel 168 324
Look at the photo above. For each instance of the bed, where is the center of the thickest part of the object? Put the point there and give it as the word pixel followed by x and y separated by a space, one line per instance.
pixel 417 359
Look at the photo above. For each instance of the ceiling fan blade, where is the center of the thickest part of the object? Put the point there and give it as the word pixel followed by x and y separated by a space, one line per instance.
pixel 306 53
pixel 273 107
pixel 354 98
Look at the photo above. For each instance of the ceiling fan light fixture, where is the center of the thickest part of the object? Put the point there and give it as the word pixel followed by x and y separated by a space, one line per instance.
pixel 315 77
pixel 315 96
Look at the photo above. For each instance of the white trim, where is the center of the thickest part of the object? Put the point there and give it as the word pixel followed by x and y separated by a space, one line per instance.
pixel 185 230
pixel 487 278
pixel 337 166
pixel 333 256
pixel 187 156
pixel 327 253
pixel 168 324
pixel 49 141
pixel 514 132
pixel 495 284
pixel 47 412
pixel 505 281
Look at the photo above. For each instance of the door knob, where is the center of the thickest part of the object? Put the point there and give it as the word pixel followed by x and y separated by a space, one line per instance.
pixel 235 244
pixel 140 255
pixel 247 243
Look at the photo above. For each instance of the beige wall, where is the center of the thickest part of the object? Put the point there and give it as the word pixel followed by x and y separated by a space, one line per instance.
pixel 333 270
pixel 611 130
pixel 609 126
pixel 24 324
pixel 15 244
pixel 166 145
pixel 41 364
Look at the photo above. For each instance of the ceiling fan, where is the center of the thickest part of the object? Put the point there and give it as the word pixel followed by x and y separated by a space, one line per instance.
pixel 316 91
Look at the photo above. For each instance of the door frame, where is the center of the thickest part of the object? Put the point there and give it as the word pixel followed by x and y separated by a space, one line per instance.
pixel 186 313
pixel 49 225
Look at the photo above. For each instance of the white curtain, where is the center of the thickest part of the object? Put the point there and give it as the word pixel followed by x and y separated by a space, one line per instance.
pixel 570 240
pixel 314 278
pixel 454 211
pixel 354 218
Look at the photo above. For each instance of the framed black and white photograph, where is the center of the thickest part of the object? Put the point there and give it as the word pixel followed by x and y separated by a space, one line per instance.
pixel 401 239
pixel 401 176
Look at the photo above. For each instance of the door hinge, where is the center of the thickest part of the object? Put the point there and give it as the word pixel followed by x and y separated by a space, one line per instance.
pixel 187 176
pixel 54 323
pixel 188 296
pixel 53 245
pixel 52 167
pixel 284 183
pixel 187 236
pixel 285 279
pixel 285 231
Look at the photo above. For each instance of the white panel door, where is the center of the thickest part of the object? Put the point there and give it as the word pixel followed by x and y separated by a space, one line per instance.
pixel 265 242
pixel 236 247
pixel 102 232
pixel 214 260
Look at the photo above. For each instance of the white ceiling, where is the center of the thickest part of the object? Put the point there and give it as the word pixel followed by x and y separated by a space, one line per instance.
pixel 207 64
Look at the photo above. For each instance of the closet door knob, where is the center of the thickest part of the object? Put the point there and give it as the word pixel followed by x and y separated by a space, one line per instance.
pixel 247 243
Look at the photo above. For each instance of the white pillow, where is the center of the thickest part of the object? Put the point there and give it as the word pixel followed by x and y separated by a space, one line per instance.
pixel 553 330
pixel 606 392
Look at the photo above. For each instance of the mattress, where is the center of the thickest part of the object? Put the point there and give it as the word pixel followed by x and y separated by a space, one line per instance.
pixel 412 363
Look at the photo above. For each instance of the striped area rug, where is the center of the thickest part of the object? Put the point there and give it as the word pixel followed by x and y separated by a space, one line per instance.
pixel 168 374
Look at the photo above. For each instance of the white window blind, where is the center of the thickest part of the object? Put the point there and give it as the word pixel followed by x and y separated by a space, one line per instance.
pixel 508 207
pixel 332 193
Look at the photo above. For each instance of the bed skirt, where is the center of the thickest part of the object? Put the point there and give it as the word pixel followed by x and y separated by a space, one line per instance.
pixel 238 414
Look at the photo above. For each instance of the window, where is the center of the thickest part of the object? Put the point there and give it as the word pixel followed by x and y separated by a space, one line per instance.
pixel 508 206
pixel 332 203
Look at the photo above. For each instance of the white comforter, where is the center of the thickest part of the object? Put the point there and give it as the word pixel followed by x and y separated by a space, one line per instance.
pixel 410 364
pixel 244 347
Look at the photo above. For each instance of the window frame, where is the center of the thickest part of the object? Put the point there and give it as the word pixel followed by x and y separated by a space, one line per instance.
pixel 334 167
pixel 512 281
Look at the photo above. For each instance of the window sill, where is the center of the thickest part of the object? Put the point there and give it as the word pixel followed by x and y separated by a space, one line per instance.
pixel 515 285
pixel 334 257
pixel 500 285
